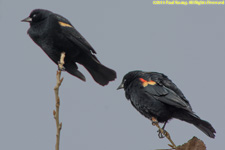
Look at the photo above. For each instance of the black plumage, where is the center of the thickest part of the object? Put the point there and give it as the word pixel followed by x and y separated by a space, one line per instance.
pixel 55 34
pixel 155 95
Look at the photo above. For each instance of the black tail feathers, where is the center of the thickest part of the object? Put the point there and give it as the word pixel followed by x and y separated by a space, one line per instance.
pixel 100 73
pixel 206 127
pixel 203 125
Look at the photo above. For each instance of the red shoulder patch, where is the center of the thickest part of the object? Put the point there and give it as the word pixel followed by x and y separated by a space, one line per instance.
pixel 146 83
pixel 142 80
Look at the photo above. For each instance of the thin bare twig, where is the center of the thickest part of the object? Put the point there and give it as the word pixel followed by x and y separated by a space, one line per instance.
pixel 164 132
pixel 57 100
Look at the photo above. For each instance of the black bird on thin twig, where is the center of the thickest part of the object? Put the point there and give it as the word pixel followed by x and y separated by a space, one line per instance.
pixel 155 96
pixel 55 34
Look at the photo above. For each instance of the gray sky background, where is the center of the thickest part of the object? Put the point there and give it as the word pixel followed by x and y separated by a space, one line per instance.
pixel 184 42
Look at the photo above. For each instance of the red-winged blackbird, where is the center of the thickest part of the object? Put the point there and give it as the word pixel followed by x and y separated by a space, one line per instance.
pixel 155 95
pixel 55 34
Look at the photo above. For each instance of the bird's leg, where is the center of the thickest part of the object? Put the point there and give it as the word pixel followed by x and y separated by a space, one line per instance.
pixel 164 132
pixel 160 135
pixel 61 62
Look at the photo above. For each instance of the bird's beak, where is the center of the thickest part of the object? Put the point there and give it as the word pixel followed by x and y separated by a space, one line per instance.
pixel 28 19
pixel 121 86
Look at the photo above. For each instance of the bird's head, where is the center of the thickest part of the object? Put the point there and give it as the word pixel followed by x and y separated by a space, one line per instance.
pixel 37 16
pixel 128 78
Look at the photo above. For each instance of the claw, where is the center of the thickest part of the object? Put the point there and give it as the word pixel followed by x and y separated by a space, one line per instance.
pixel 160 134
pixel 162 131
pixel 61 67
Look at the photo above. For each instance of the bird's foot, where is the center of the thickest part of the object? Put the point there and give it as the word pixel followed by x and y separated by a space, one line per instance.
pixel 61 67
pixel 163 132
pixel 161 135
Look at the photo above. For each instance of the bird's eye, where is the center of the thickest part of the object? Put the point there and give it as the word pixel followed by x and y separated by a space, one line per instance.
pixel 124 80
pixel 34 15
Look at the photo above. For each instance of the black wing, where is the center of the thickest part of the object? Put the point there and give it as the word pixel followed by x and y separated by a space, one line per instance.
pixel 166 91
pixel 73 35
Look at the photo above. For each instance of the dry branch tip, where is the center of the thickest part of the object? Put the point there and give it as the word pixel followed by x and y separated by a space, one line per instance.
pixel 57 100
